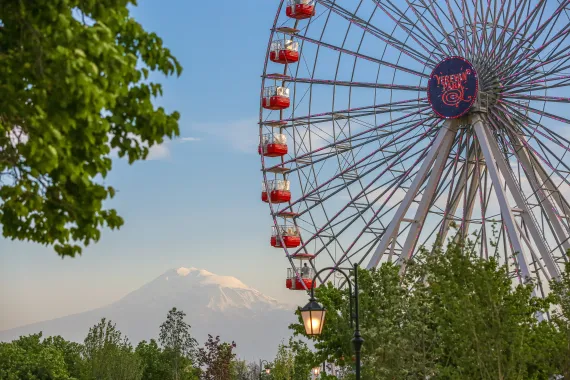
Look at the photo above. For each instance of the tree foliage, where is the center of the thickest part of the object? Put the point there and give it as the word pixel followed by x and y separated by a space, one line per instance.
pixel 216 359
pixel 155 365
pixel 108 355
pixel 452 316
pixel 178 343
pixel 75 84
pixel 28 358
pixel 560 297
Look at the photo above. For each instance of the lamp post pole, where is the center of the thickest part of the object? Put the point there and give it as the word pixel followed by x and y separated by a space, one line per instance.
pixel 357 339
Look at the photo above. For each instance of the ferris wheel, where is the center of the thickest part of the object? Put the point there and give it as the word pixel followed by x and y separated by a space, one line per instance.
pixel 386 125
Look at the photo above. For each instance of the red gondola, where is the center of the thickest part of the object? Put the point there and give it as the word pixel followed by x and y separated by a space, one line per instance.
pixel 284 51
pixel 275 98
pixel 277 191
pixel 304 278
pixel 300 9
pixel 273 145
pixel 290 235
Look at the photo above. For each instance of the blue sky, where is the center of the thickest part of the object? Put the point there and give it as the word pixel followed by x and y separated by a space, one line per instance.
pixel 197 202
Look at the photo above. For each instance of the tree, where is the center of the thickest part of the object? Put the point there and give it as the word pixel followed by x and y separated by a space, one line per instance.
pixel 560 296
pixel 71 352
pixel 178 344
pixel 216 359
pixel 304 360
pixel 284 364
pixel 75 85
pixel 155 366
pixel 28 359
pixel 108 355
pixel 452 315
pixel 241 370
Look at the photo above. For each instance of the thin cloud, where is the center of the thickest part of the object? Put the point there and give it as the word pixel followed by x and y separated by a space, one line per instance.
pixel 189 139
pixel 241 135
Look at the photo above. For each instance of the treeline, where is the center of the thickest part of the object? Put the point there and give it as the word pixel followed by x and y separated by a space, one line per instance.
pixel 452 315
pixel 106 354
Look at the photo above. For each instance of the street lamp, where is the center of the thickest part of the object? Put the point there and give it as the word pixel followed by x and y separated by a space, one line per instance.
pixel 313 314
pixel 267 369
pixel 316 371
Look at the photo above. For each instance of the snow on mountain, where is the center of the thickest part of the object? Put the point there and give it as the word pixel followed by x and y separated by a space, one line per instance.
pixel 214 304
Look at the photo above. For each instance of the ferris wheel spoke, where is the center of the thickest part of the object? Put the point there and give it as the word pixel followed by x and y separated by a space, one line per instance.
pixel 491 42
pixel 561 82
pixel 561 37
pixel 528 85
pixel 555 99
pixel 351 113
pixel 321 157
pixel 517 31
pixel 355 84
pixel 432 10
pixel 358 55
pixel 483 38
pixel 408 26
pixel 355 166
pixel 524 74
pixel 553 167
pixel 552 136
pixel 456 27
pixel 378 33
pixel 526 60
pixel 396 246
pixel 466 15
pixel 556 63
pixel 536 111
pixel 506 43
pixel 388 188
pixel 306 157
pixel 353 202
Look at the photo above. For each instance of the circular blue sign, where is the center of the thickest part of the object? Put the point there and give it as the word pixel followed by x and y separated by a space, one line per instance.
pixel 453 87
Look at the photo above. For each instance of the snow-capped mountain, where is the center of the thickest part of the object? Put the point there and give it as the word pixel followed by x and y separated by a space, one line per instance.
pixel 217 305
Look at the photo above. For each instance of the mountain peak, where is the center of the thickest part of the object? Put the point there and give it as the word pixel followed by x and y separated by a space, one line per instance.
pixel 204 277
pixel 213 304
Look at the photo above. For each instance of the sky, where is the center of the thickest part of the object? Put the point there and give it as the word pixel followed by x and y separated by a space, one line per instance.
pixel 196 201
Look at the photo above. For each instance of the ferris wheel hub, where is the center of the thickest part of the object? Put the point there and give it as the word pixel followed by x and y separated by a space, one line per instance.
pixel 453 87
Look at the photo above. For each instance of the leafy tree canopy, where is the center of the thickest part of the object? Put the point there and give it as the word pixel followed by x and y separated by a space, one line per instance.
pixel 28 358
pixel 179 345
pixel 452 316
pixel 216 359
pixel 74 79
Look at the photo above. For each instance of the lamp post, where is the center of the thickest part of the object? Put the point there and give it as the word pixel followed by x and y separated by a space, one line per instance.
pixel 316 372
pixel 314 314
pixel 267 369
